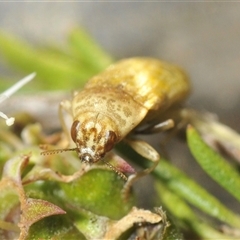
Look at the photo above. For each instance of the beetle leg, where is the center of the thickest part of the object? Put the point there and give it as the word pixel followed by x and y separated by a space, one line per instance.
pixel 160 127
pixel 163 126
pixel 143 148
pixel 166 139
pixel 147 151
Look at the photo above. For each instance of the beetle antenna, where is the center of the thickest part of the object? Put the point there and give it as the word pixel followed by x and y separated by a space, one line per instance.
pixel 120 174
pixel 55 151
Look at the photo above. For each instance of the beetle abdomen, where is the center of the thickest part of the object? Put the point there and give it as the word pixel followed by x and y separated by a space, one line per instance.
pixel 154 84
pixel 128 91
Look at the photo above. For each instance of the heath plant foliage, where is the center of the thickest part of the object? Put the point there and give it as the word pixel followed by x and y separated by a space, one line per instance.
pixel 56 196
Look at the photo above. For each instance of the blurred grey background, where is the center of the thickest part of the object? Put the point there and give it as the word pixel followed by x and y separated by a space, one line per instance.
pixel 202 37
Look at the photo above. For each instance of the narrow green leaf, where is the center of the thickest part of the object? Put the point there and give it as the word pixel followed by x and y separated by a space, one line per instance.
pixel 178 207
pixel 213 164
pixel 86 49
pixel 55 71
pixel 188 189
pixel 193 193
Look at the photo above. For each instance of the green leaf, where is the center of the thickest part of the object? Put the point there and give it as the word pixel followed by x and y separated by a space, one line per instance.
pixel 55 68
pixel 88 51
pixel 193 193
pixel 55 72
pixel 36 209
pixel 55 227
pixel 213 164
pixel 98 191
pixel 184 186
pixel 178 207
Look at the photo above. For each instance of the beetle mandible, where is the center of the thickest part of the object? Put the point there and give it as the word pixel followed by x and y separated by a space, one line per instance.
pixel 114 103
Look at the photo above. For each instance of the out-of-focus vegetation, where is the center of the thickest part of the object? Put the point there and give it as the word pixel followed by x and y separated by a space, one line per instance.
pixel 41 197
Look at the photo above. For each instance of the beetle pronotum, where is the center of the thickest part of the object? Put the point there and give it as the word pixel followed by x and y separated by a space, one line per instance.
pixel 128 94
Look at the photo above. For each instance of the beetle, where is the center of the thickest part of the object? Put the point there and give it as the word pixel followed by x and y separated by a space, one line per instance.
pixel 114 104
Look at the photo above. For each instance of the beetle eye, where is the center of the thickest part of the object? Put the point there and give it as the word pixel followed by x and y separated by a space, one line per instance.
pixel 74 130
pixel 111 139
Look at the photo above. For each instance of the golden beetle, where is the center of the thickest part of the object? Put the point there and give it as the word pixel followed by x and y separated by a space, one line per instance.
pixel 128 94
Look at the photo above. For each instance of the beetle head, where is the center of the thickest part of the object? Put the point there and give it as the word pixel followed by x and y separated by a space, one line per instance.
pixel 93 139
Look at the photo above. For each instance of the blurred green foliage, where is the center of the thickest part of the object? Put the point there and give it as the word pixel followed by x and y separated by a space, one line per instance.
pixel 94 200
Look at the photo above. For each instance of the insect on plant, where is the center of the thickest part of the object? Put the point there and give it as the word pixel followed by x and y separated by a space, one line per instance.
pixel 114 104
